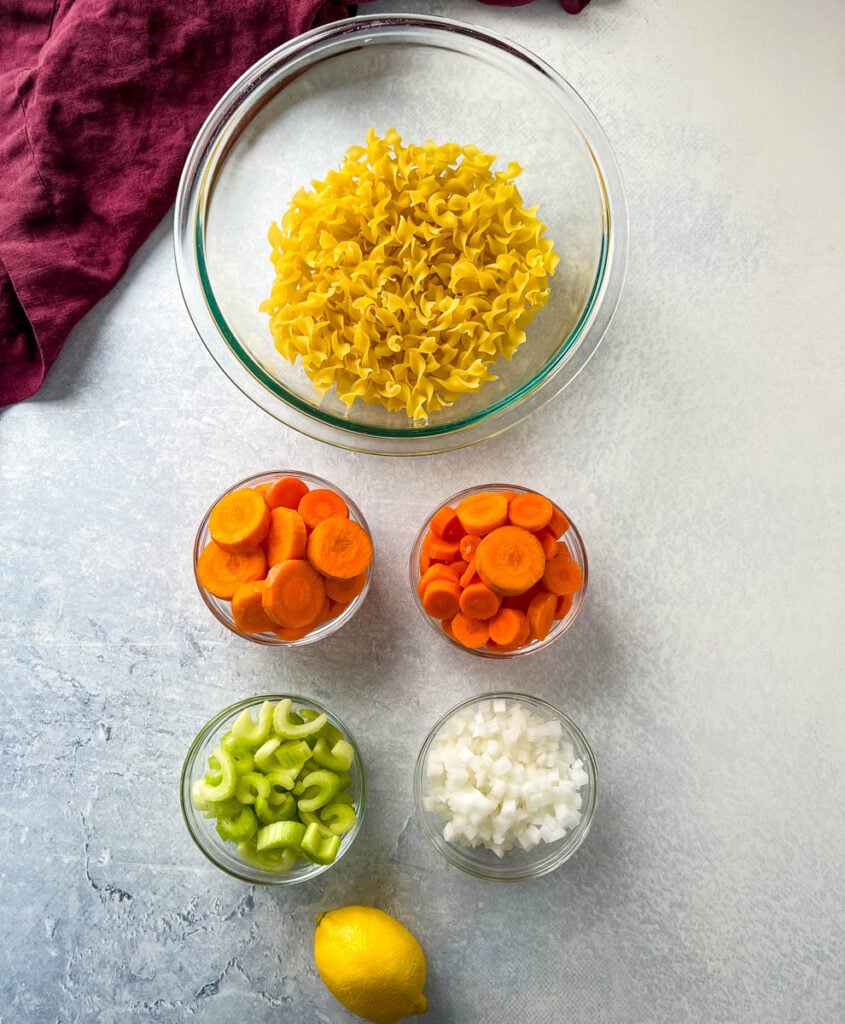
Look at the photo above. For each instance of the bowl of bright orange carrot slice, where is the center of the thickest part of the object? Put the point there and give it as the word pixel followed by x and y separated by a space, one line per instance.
pixel 499 570
pixel 283 558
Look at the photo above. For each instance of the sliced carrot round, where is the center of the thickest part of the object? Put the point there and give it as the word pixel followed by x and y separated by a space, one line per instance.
pixel 344 591
pixel 563 575
pixel 559 524
pixel 483 512
pixel 510 560
pixel 221 572
pixel 446 525
pixel 240 520
pixel 541 614
pixel 248 608
pixel 286 492
pixel 320 504
pixel 340 548
pixel 287 536
pixel 470 632
pixel 479 602
pixel 530 511
pixel 441 599
pixel 437 571
pixel 294 593
pixel 468 546
pixel 564 603
pixel 507 625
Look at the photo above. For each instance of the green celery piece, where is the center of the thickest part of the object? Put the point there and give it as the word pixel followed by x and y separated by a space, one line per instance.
pixel 253 733
pixel 268 813
pixel 252 785
pixel 288 729
pixel 264 759
pixel 280 834
pixel 344 797
pixel 324 783
pixel 308 817
pixel 345 780
pixel 318 846
pixel 224 787
pixel 277 861
pixel 339 818
pixel 328 732
pixel 280 785
pixel 198 800
pixel 339 758
pixel 293 754
pixel 239 826
pixel 240 752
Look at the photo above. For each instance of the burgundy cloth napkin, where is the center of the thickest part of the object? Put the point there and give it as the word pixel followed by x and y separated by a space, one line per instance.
pixel 100 101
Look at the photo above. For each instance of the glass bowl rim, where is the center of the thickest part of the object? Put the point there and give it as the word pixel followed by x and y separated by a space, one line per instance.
pixel 197 179
pixel 207 730
pixel 481 652
pixel 576 836
pixel 263 639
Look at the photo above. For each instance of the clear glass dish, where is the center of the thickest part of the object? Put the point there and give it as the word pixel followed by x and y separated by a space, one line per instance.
pixel 290 118
pixel 574 543
pixel 224 854
pixel 517 864
pixel 222 610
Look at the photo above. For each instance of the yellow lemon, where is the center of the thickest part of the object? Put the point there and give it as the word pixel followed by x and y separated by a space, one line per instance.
pixel 371 963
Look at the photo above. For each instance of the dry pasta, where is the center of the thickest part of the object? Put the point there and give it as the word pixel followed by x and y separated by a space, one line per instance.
pixel 406 274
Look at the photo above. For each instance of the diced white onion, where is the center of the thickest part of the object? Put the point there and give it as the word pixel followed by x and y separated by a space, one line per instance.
pixel 502 777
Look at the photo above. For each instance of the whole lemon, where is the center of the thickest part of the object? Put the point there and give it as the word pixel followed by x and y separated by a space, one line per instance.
pixel 371 963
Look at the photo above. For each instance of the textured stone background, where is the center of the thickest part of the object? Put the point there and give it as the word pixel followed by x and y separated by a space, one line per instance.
pixel 701 453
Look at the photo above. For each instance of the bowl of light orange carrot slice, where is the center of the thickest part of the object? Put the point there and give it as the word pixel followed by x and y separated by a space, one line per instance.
pixel 499 570
pixel 283 558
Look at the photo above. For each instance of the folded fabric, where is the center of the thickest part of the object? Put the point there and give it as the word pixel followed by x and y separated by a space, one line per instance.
pixel 100 101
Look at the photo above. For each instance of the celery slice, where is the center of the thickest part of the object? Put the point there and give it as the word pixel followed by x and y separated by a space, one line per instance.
pixel 280 834
pixel 278 861
pixel 288 728
pixel 293 754
pixel 280 785
pixel 338 817
pixel 253 733
pixel 328 732
pixel 264 759
pixel 238 826
pixel 239 751
pixel 338 758
pixel 324 784
pixel 224 787
pixel 319 845
pixel 250 786
pixel 283 811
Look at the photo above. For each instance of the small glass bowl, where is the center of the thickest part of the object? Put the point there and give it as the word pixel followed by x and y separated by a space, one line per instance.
pixel 515 865
pixel 573 541
pixel 202 830
pixel 222 610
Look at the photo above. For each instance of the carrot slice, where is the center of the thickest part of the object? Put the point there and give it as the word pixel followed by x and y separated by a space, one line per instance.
pixel 443 550
pixel 559 524
pixel 530 511
pixel 441 599
pixel 549 542
pixel 479 602
pixel 320 504
pixel 221 572
pixel 470 632
pixel 446 626
pixel 337 608
pixel 469 575
pixel 563 575
pixel 294 593
pixel 507 625
pixel 344 591
pixel 520 602
pixel 291 634
pixel 239 521
pixel 541 614
pixel 468 546
pixel 287 536
pixel 482 513
pixel 564 603
pixel 510 560
pixel 437 571
pixel 286 492
pixel 248 608
pixel 446 525
pixel 340 548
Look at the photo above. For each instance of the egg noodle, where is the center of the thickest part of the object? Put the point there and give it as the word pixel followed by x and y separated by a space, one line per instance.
pixel 406 274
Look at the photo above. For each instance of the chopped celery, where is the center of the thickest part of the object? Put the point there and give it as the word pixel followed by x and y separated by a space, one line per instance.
pixel 238 826
pixel 319 845
pixel 293 754
pixel 277 861
pixel 328 732
pixel 280 834
pixel 264 759
pixel 224 787
pixel 288 729
pixel 252 733
pixel 280 785
pixel 338 758
pixel 239 752
pixel 252 785
pixel 283 811
pixel 338 817
pixel 324 784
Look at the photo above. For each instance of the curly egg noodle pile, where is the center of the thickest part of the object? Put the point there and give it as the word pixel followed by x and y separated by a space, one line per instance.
pixel 406 274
